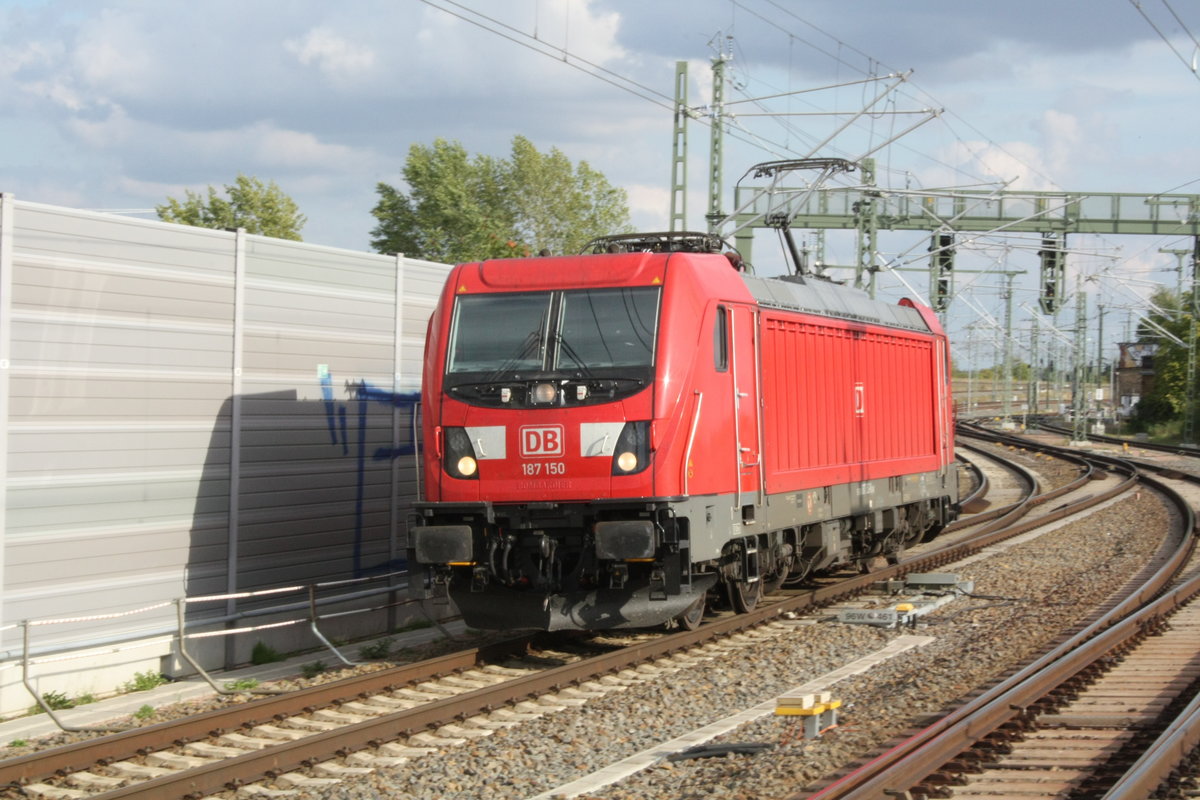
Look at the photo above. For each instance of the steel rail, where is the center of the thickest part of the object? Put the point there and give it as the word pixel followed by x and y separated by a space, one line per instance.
pixel 1161 758
pixel 1176 449
pixel 128 744
pixel 982 484
pixel 908 763
pixel 1006 515
pixel 287 756
pixel 1010 512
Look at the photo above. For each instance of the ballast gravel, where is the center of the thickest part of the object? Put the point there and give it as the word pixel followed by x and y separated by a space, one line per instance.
pixel 1023 598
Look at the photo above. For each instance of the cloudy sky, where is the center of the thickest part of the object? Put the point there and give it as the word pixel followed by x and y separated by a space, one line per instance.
pixel 118 104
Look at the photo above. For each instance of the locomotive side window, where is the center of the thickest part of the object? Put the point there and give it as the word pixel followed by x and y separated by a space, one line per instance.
pixel 499 332
pixel 607 328
pixel 721 340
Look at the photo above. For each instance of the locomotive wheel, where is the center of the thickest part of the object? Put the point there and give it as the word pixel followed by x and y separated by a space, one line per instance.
pixel 872 564
pixel 744 595
pixel 771 583
pixel 783 566
pixel 690 620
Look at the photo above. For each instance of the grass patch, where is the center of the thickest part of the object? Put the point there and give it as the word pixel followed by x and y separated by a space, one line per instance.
pixel 263 653
pixel 144 713
pixel 144 681
pixel 57 701
pixel 375 650
pixel 242 685
pixel 313 669
pixel 418 625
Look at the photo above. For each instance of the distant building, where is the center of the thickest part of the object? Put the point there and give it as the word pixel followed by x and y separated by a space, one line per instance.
pixel 1135 374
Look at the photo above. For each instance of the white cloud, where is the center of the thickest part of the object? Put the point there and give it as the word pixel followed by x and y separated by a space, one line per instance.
pixel 122 100
pixel 260 149
pixel 297 149
pixel 464 54
pixel 114 130
pixel 30 54
pixel 578 27
pixel 649 205
pixel 114 53
pixel 335 56
pixel 58 92
pixel 1067 142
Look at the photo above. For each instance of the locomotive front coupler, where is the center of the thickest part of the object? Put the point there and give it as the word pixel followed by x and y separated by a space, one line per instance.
pixel 439 585
pixel 658 582
pixel 479 578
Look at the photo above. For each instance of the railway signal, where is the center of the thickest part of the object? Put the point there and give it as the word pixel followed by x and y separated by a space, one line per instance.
pixel 1054 258
pixel 941 265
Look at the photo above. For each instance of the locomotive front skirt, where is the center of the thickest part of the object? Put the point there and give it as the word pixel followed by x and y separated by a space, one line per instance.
pixel 617 440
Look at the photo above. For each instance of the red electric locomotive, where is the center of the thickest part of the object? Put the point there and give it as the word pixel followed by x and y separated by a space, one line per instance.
pixel 611 438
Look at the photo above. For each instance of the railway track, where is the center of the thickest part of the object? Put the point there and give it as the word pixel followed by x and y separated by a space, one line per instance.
pixel 1053 729
pixel 1177 449
pixel 358 725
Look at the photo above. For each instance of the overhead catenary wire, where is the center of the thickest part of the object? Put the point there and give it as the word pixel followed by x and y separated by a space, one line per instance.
pixel 971 140
pixel 561 54
pixel 1189 65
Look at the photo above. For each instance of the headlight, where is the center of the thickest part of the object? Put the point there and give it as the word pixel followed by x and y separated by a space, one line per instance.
pixel 459 457
pixel 632 453
pixel 544 393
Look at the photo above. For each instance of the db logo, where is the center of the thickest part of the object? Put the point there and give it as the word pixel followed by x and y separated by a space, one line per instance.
pixel 544 441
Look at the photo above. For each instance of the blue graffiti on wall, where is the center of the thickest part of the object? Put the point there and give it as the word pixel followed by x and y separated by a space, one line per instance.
pixel 363 396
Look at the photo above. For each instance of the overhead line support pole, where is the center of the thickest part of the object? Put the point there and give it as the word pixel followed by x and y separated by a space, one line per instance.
pixel 1006 401
pixel 1033 401
pixel 867 222
pixel 679 151
pixel 716 151
pixel 1189 420
pixel 1079 404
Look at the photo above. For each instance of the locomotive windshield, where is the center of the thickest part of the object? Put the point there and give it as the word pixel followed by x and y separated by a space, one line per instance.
pixel 499 333
pixel 602 336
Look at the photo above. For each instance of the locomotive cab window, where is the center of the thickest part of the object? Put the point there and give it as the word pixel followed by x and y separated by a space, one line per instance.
pixel 607 328
pixel 498 330
pixel 595 345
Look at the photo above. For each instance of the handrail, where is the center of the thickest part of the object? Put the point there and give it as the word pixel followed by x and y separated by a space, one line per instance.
pixel 29 655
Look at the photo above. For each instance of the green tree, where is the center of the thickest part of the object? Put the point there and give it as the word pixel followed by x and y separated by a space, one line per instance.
pixel 247 203
pixel 462 208
pixel 455 211
pixel 1167 398
pixel 560 207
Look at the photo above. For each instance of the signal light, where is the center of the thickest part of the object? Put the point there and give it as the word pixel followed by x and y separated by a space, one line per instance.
pixel 941 268
pixel 1053 256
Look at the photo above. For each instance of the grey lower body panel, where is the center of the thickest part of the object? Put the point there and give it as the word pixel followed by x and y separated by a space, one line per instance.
pixel 599 609
pixel 715 519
